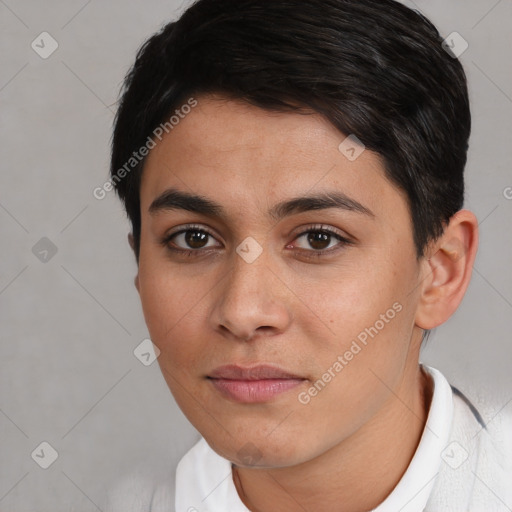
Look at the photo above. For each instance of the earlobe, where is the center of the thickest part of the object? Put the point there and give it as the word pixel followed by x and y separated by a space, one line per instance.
pixel 448 270
pixel 131 241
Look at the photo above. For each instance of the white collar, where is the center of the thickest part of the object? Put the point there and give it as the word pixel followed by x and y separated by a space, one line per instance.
pixel 204 480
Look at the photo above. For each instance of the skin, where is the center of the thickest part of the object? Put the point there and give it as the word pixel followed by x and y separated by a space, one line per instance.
pixel 354 440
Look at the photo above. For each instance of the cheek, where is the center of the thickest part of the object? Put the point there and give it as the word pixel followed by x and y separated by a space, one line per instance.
pixel 166 301
pixel 175 311
pixel 354 299
pixel 370 322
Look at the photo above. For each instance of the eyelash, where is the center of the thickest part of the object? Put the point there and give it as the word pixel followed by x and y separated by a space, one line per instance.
pixel 318 228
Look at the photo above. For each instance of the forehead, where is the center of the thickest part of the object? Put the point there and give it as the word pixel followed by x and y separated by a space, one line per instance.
pixel 242 155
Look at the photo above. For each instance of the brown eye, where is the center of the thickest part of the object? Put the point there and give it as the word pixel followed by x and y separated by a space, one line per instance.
pixel 195 239
pixel 319 240
pixel 189 239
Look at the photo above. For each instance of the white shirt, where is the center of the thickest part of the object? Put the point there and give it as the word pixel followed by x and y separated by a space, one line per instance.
pixel 458 466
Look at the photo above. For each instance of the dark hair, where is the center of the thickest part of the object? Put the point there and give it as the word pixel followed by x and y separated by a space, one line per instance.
pixel 373 68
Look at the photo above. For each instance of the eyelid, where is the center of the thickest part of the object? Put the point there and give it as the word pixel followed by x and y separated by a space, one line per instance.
pixel 187 227
pixel 321 227
pixel 183 229
pixel 296 233
pixel 343 240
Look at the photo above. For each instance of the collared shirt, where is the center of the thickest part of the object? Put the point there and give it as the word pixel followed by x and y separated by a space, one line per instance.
pixel 204 481
pixel 459 466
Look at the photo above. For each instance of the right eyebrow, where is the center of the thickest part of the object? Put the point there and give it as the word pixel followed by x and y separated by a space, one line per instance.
pixel 174 199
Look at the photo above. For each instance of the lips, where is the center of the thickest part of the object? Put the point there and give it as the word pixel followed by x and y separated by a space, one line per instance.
pixel 259 372
pixel 255 384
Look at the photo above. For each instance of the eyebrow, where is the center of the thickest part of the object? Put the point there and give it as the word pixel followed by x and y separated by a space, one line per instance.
pixel 173 199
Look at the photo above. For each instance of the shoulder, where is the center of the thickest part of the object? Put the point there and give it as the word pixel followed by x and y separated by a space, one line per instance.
pixel 150 487
pixel 131 492
pixel 491 448
pixel 485 426
pixel 476 465
pixel 143 489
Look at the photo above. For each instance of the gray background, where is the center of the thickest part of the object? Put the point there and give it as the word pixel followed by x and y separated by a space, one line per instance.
pixel 69 325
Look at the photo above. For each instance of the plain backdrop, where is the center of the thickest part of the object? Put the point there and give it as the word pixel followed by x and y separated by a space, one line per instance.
pixel 70 317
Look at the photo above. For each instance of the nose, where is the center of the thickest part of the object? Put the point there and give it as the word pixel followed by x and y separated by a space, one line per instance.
pixel 251 301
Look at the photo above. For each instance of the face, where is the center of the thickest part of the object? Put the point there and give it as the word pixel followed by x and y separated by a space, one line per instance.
pixel 277 320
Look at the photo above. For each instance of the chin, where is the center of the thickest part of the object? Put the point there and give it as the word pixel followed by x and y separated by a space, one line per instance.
pixel 256 450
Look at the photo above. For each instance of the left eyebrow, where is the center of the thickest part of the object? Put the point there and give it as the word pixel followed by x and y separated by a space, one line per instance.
pixel 173 199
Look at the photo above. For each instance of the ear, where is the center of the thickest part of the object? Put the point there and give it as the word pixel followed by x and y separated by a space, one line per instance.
pixel 131 241
pixel 447 270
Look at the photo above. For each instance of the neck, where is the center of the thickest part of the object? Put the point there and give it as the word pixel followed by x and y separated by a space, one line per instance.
pixel 359 472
